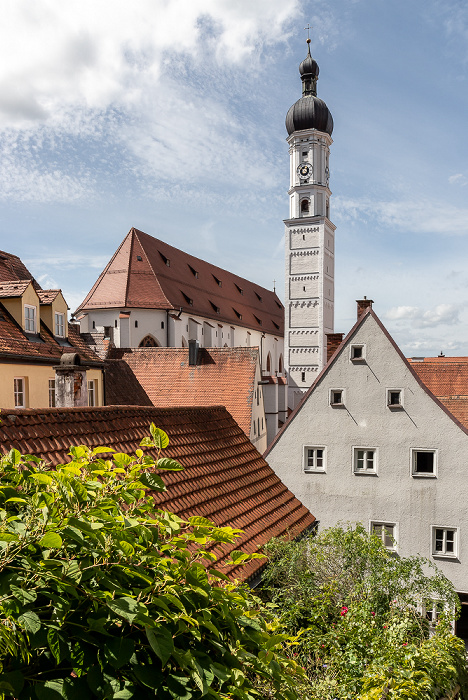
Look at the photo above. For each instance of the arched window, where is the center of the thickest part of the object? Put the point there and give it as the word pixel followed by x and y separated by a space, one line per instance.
pixel 268 363
pixel 305 206
pixel 149 342
pixel 280 364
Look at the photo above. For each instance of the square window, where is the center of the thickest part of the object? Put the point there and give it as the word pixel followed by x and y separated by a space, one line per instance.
pixel 336 397
pixel 445 542
pixel 365 460
pixel 19 390
pixel 358 353
pixel 60 325
pixel 424 462
pixel 387 532
pixel 314 459
pixel 394 398
pixel 29 319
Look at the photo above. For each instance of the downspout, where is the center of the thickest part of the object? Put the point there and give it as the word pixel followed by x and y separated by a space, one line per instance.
pixel 167 328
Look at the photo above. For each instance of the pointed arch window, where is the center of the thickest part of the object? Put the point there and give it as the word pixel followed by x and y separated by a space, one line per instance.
pixel 149 342
pixel 268 363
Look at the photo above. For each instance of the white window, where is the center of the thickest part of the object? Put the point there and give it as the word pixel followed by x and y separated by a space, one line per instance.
pixel 423 462
pixel 314 459
pixel 365 460
pixel 92 392
pixel 19 388
pixel 357 353
pixel 445 542
pixel 336 397
pixel 59 325
pixel 395 398
pixel 387 533
pixel 51 393
pixel 29 318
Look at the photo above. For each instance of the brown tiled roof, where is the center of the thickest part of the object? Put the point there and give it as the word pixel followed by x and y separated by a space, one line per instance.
pixel 47 296
pixel 225 478
pixel 12 268
pixel 14 288
pixel 15 344
pixel 447 378
pixel 223 376
pixel 148 273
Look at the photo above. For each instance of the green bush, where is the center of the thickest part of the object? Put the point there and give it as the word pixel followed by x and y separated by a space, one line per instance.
pixel 103 597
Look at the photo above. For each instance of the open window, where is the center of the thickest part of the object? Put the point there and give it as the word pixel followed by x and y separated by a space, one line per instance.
pixel 423 462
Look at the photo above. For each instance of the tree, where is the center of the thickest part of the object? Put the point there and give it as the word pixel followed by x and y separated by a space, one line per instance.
pixel 357 611
pixel 102 596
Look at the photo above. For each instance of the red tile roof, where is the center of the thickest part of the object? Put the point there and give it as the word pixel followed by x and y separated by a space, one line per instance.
pixel 447 378
pixel 225 478
pixel 223 376
pixel 12 268
pixel 148 273
pixel 13 289
pixel 47 296
pixel 16 345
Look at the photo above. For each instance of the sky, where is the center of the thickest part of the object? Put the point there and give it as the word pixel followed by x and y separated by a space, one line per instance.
pixel 168 115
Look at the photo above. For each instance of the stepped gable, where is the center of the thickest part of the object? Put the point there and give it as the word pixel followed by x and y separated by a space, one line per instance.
pixel 13 269
pixel 222 376
pixel 168 278
pixel 225 478
pixel 447 378
pixel 14 343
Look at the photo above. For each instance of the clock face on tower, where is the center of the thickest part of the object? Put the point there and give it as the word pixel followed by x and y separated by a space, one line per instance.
pixel 304 171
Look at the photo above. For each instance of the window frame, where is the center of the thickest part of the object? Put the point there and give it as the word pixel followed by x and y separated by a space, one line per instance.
pixel 305 457
pixel 92 390
pixel 395 406
pixel 385 523
pixel 444 554
pixel 59 315
pixel 365 472
pixel 27 319
pixel 18 392
pixel 52 402
pixel 424 475
pixel 336 403
pixel 362 357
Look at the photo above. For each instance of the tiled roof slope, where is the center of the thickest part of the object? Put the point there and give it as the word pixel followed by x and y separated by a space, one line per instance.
pixel 447 378
pixel 222 376
pixel 225 478
pixel 47 296
pixel 12 268
pixel 13 288
pixel 15 344
pixel 148 273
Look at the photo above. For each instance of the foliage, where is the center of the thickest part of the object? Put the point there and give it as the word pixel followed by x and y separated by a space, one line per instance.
pixel 102 596
pixel 355 608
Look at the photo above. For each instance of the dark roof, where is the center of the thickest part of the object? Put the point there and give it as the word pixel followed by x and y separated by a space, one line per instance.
pixel 225 478
pixel 309 112
pixel 15 345
pixel 146 273
pixel 222 376
pixel 12 268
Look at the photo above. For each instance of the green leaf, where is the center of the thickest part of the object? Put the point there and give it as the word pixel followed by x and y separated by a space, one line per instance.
pixel 152 481
pixel 118 651
pixel 149 676
pixel 14 456
pixel 30 621
pixel 7 537
pixel 57 645
pixel 161 642
pixel 121 459
pixel 23 596
pixel 127 608
pixel 160 438
pixel 197 576
pixel 169 464
pixel 127 548
pixel 102 450
pixel 197 520
pixel 11 682
pixel 16 500
pixel 51 540
pixel 41 478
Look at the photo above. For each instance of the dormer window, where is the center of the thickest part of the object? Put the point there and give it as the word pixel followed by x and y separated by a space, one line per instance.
pixel 258 296
pixel 215 308
pixel 60 325
pixel 165 260
pixel 187 299
pixel 193 271
pixel 29 318
pixel 239 289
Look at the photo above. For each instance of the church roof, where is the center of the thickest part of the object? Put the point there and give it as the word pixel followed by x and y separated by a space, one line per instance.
pixel 147 273
pixel 222 376
pixel 225 478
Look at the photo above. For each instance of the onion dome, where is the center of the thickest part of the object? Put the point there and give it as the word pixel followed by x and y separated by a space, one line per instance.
pixel 309 112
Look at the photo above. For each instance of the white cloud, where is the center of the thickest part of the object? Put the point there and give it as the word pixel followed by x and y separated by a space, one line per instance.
pixel 458 179
pixel 442 314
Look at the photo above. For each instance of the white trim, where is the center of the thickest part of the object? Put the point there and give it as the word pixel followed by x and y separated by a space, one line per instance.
pixel 444 554
pixel 385 523
pixel 58 315
pixel 395 406
pixel 305 457
pixel 19 391
pixel 27 320
pixel 330 398
pixel 365 471
pixel 424 475
pixel 362 357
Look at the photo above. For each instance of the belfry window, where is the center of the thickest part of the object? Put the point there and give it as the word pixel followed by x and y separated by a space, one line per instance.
pixel 305 206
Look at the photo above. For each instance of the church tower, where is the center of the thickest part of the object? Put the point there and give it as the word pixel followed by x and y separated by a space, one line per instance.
pixel 310 236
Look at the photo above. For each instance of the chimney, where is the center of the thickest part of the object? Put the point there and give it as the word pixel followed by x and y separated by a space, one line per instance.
pixel 362 305
pixel 71 386
pixel 193 346
pixel 334 341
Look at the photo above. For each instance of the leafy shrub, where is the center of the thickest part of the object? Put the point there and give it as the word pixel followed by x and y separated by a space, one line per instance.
pixel 103 597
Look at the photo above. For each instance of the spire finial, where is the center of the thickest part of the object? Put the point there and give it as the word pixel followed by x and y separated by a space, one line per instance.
pixel 308 31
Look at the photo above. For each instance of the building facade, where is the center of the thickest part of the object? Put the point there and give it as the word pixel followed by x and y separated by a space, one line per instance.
pixel 310 236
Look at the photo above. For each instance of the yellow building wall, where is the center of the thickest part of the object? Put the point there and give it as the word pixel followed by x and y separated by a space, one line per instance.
pixel 15 306
pixel 36 384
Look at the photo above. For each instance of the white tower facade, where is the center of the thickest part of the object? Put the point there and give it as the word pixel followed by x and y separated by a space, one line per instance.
pixel 310 237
